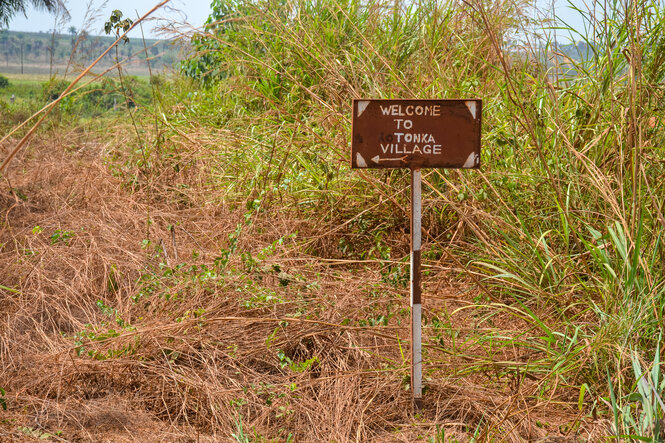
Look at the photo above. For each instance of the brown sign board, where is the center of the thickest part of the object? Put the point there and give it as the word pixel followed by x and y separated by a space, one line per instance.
pixel 416 133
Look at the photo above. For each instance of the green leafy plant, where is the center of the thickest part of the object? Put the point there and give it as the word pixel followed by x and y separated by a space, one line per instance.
pixel 62 236
pixel 103 332
pixel 117 25
pixel 38 433
pixel 3 401
pixel 295 366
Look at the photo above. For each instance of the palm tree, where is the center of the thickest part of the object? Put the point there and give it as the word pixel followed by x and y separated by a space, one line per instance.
pixel 9 8
pixel 73 32
pixel 38 46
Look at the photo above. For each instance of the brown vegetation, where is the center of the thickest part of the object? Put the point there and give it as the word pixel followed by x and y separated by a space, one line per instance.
pixel 215 271
pixel 217 358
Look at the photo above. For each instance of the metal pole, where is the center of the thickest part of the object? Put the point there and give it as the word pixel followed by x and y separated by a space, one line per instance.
pixel 416 306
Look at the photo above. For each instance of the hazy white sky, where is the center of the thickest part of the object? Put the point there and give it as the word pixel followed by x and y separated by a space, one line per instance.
pixel 194 12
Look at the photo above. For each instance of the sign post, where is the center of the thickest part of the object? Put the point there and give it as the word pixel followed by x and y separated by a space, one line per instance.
pixel 416 134
pixel 416 304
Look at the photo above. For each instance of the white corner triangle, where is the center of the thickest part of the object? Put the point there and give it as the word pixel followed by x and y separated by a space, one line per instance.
pixel 362 105
pixel 471 161
pixel 360 161
pixel 376 159
pixel 472 107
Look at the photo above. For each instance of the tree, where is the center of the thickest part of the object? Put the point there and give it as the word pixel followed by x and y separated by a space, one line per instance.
pixel 9 8
pixel 37 47
pixel 73 32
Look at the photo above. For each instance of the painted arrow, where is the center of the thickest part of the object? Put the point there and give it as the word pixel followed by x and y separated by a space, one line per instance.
pixel 377 159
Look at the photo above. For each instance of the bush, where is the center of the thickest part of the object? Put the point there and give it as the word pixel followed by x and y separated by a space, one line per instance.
pixel 4 82
pixel 98 97
pixel 52 89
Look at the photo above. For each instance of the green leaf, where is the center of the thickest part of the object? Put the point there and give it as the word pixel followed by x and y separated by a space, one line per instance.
pixel 5 288
pixel 615 410
pixel 580 400
pixel 634 397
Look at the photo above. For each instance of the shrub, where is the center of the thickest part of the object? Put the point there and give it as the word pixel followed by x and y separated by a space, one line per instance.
pixel 52 89
pixel 4 82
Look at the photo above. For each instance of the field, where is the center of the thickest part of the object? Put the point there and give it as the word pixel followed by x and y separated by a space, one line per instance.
pixel 97 98
pixel 42 70
pixel 201 264
pixel 32 53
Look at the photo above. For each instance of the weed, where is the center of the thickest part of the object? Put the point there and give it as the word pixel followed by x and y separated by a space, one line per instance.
pixel 440 436
pixel 3 401
pixel 239 435
pixel 102 333
pixel 61 236
pixel 639 415
pixel 298 366
pixel 38 433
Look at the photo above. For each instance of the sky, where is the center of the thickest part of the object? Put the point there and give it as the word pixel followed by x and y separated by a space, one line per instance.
pixel 194 12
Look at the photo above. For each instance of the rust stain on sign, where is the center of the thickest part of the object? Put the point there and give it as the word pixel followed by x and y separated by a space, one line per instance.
pixel 416 133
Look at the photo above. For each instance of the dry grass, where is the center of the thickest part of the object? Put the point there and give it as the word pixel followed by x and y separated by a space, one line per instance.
pixel 203 363
pixel 188 283
pixel 192 283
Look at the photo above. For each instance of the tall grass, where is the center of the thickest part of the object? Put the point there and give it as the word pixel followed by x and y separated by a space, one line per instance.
pixel 562 228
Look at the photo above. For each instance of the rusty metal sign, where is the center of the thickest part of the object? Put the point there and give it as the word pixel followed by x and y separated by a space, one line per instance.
pixel 416 133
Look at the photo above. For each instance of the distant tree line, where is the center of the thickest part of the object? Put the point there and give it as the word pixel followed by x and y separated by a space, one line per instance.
pixel 78 48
